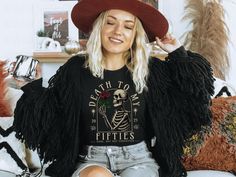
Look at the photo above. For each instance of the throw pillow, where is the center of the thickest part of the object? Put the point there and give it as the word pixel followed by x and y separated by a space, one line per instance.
pixel 12 151
pixel 214 147
pixel 223 89
pixel 5 109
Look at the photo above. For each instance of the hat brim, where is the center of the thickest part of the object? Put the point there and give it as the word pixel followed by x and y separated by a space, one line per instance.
pixel 85 12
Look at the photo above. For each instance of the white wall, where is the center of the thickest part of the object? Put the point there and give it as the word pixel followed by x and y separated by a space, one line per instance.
pixel 17 31
pixel 230 6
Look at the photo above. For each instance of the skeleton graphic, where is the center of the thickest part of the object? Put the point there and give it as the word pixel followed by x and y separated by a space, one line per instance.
pixel 120 120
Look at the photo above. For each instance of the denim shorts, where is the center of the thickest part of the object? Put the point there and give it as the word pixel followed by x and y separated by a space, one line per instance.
pixel 124 161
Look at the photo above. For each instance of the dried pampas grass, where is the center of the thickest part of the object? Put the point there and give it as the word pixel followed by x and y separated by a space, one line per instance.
pixel 209 34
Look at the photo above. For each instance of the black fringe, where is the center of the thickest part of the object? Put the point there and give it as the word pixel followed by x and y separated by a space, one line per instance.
pixel 47 119
pixel 180 89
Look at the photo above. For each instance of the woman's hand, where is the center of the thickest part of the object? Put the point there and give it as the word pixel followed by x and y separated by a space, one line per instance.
pixel 168 43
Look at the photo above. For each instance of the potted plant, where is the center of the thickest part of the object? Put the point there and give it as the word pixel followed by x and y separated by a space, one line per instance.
pixel 42 33
pixel 41 36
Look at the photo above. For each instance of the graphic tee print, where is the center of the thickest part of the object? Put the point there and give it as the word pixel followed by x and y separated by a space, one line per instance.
pixel 114 111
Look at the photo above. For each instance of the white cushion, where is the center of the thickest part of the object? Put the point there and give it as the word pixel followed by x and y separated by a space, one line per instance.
pixel 13 96
pixel 209 173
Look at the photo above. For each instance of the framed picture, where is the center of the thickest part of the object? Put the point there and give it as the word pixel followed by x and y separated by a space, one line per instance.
pixel 56 25
pixel 53 20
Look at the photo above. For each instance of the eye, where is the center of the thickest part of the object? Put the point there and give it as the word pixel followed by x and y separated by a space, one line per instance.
pixel 110 22
pixel 129 27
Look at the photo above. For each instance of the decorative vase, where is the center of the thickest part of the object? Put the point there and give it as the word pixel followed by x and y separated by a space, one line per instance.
pixel 72 47
pixel 39 42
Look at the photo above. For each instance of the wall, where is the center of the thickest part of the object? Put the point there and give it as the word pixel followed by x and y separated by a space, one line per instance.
pixel 17 29
pixel 230 6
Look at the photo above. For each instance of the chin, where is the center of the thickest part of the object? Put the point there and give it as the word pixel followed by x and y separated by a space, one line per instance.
pixel 115 50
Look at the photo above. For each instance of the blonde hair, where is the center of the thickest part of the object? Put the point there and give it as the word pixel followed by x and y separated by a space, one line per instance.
pixel 136 58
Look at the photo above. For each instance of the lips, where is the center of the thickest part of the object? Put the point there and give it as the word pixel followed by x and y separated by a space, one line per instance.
pixel 115 40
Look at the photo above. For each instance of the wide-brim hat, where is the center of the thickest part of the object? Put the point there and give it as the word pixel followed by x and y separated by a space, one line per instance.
pixel 85 12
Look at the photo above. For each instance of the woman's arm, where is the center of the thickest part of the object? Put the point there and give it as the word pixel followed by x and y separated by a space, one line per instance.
pixel 47 118
pixel 179 91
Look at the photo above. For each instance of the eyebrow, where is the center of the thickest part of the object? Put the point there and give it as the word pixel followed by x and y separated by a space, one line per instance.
pixel 129 21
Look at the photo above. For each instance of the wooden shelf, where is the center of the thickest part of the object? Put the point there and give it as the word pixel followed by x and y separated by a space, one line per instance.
pixel 51 57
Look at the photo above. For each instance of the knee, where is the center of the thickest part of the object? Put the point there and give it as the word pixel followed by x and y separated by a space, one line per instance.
pixel 95 171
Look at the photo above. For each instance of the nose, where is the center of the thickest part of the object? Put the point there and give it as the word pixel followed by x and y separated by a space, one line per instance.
pixel 118 29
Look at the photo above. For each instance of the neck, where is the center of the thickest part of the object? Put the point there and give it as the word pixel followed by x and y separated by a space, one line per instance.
pixel 113 62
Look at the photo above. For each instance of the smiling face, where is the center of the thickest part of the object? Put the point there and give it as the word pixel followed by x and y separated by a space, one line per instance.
pixel 118 32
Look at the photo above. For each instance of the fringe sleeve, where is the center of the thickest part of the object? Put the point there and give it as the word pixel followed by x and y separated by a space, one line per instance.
pixel 180 90
pixel 46 119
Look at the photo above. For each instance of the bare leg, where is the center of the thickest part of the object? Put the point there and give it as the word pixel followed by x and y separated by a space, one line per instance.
pixel 95 171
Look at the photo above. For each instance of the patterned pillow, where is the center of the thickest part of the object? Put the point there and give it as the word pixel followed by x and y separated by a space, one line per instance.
pixel 12 151
pixel 5 109
pixel 223 88
pixel 214 148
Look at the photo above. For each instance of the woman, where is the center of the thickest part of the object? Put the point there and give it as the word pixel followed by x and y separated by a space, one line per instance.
pixel 102 112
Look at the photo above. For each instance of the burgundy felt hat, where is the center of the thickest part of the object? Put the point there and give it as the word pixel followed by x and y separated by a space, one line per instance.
pixel 85 13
